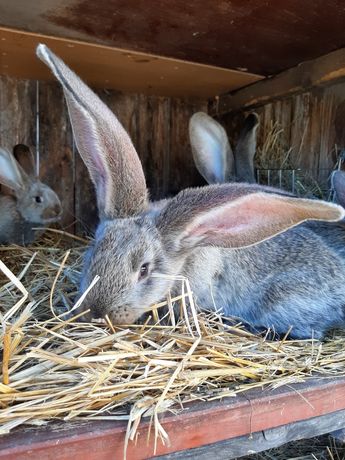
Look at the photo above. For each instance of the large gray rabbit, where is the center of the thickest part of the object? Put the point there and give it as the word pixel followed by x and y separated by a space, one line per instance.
pixel 213 155
pixel 209 234
pixel 30 204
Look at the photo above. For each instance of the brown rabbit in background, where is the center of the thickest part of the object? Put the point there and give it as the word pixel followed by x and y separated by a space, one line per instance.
pixel 239 244
pixel 30 203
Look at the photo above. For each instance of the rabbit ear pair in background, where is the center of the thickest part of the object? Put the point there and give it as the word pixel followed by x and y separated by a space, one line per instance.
pixel 212 152
pixel 292 280
pixel 217 163
pixel 30 203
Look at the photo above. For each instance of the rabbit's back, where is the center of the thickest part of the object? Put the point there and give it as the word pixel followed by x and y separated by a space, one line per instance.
pixel 13 228
pixel 293 279
pixel 332 234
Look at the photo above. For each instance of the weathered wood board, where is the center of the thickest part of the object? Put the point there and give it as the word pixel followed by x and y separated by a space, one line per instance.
pixel 312 128
pixel 262 440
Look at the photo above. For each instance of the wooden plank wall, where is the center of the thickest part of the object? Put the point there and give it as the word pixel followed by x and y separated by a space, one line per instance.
pixel 158 127
pixel 313 129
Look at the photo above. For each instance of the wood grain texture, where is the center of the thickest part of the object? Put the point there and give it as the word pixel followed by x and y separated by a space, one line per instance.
pixel 158 127
pixel 323 71
pixel 17 112
pixel 263 37
pixel 312 128
pixel 111 67
pixel 199 425
pixel 266 439
pixel 56 156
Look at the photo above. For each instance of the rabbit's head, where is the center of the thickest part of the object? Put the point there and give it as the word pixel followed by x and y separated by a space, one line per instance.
pixel 128 255
pixel 36 202
pixel 212 152
pixel 138 250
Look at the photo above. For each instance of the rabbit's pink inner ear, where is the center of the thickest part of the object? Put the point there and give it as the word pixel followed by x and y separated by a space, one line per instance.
pixel 254 218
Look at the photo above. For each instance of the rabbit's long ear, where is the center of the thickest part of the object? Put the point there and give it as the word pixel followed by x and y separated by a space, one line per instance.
pixel 11 174
pixel 104 145
pixel 338 184
pixel 211 150
pixel 25 158
pixel 236 216
pixel 245 150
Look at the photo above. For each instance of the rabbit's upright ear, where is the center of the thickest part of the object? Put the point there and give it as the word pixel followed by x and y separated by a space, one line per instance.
pixel 11 174
pixel 338 184
pixel 25 158
pixel 245 150
pixel 211 150
pixel 104 145
pixel 236 216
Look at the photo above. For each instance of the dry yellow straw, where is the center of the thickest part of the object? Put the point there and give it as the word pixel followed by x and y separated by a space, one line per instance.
pixel 57 368
pixel 6 356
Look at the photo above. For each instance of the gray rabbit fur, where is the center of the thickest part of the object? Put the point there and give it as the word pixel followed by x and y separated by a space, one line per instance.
pixel 27 203
pixel 241 245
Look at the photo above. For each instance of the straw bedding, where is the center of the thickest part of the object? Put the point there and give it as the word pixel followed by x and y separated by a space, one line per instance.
pixel 54 367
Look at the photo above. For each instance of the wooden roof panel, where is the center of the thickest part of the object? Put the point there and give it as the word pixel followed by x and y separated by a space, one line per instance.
pixel 113 68
pixel 264 37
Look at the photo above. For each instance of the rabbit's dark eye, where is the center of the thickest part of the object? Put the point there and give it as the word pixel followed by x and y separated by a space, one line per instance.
pixel 38 199
pixel 143 271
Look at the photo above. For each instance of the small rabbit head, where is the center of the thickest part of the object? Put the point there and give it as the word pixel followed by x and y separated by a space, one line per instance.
pixel 36 202
pixel 212 152
pixel 138 249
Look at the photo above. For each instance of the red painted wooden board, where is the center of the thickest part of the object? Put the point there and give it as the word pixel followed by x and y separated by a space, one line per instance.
pixel 200 424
